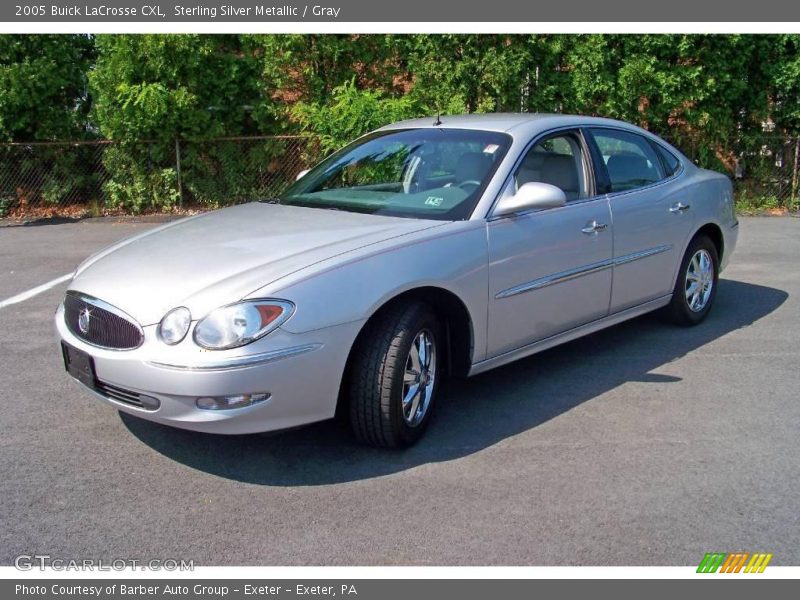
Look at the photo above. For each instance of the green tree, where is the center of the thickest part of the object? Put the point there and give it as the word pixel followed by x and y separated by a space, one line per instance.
pixel 168 86
pixel 466 73
pixel 309 67
pixel 710 94
pixel 783 68
pixel 704 91
pixel 162 88
pixel 351 112
pixel 43 97
pixel 43 92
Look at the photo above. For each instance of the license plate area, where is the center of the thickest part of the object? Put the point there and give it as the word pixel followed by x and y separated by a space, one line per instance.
pixel 80 365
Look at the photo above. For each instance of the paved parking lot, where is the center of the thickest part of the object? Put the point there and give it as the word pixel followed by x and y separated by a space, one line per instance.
pixel 642 444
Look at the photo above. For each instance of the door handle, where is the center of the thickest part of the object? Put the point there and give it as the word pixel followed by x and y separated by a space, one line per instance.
pixel 594 227
pixel 679 207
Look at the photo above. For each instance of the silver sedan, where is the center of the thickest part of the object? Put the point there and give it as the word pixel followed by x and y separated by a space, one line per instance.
pixel 428 248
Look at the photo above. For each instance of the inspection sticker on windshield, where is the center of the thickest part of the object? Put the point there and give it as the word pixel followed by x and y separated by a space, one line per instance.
pixel 490 149
pixel 434 200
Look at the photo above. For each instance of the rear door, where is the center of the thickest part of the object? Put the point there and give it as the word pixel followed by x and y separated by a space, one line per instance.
pixel 652 217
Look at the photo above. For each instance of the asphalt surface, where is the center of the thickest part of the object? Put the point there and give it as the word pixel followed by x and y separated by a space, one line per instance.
pixel 645 444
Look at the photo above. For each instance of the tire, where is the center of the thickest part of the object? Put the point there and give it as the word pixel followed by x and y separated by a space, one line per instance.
pixel 687 308
pixel 379 379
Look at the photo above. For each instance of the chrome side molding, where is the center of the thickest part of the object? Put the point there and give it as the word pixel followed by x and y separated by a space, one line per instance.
pixel 642 254
pixel 559 277
pixel 563 276
pixel 240 362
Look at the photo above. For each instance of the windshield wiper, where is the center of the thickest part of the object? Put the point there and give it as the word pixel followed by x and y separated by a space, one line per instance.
pixel 270 201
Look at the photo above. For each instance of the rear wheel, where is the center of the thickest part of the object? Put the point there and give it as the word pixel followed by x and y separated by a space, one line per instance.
pixel 696 286
pixel 395 375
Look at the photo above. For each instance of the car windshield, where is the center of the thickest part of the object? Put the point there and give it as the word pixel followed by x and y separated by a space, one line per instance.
pixel 430 173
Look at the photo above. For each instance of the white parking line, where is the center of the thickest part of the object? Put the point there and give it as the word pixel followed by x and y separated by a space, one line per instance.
pixel 34 291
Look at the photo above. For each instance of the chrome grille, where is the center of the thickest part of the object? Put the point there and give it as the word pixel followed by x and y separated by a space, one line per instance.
pixel 100 324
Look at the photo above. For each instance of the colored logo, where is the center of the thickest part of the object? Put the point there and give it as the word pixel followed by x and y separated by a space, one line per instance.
pixel 734 562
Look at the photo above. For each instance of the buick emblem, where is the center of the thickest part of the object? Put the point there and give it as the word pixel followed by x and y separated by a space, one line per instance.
pixel 83 320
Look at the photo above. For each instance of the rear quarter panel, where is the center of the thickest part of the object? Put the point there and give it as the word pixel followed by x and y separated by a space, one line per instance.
pixel 711 197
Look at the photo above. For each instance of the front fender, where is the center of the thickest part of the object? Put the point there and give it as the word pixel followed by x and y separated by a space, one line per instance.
pixel 354 286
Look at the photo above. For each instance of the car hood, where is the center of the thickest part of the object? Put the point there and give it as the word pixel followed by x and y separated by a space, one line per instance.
pixel 217 258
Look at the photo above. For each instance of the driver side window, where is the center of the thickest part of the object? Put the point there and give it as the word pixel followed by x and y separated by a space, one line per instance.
pixel 556 160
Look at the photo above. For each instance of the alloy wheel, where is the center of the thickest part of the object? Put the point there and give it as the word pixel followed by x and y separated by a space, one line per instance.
pixel 419 378
pixel 699 280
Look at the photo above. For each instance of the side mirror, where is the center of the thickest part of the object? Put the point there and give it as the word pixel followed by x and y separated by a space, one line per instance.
pixel 301 174
pixel 531 196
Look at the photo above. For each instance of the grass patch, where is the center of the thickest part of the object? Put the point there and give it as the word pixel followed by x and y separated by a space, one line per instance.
pixel 763 205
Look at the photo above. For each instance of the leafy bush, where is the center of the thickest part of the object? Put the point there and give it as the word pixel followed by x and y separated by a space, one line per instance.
pixel 136 181
pixel 167 87
pixel 43 86
pixel 747 203
pixel 220 172
pixel 351 112
pixel 50 174
pixel 714 96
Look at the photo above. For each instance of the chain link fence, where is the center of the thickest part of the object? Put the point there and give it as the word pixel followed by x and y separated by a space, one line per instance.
pixel 765 169
pixel 95 178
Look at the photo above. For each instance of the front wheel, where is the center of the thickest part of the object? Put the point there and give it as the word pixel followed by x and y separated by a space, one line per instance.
pixel 696 286
pixel 395 375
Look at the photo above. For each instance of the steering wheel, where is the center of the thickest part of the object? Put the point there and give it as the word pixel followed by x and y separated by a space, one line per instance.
pixel 469 182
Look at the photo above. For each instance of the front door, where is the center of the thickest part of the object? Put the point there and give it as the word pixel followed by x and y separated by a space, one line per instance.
pixel 550 270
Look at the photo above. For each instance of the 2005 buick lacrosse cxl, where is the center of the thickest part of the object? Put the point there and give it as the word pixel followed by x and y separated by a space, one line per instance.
pixel 428 248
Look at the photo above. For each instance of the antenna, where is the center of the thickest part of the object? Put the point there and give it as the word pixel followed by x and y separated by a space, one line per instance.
pixel 438 121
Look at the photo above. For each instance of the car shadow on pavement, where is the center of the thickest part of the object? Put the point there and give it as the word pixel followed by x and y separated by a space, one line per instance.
pixel 473 413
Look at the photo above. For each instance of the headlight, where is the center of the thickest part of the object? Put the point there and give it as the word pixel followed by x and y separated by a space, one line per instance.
pixel 174 325
pixel 241 323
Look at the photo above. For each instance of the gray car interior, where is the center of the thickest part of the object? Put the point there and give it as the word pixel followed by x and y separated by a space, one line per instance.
pixel 627 170
pixel 560 170
pixel 472 166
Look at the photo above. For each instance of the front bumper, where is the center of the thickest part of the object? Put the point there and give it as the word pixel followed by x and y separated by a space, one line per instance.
pixel 301 372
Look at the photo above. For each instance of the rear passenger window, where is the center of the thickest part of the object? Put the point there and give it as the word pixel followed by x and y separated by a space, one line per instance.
pixel 630 160
pixel 668 160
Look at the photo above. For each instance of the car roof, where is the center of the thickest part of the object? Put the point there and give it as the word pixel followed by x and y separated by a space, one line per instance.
pixel 523 124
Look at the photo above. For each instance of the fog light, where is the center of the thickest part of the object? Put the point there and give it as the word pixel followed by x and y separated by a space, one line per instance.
pixel 228 402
